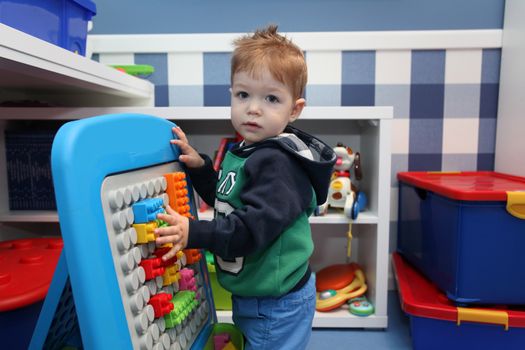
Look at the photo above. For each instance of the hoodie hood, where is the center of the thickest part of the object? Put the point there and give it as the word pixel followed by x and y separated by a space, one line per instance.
pixel 316 157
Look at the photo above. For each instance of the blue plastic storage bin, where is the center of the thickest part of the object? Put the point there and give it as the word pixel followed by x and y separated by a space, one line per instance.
pixel 60 22
pixel 457 230
pixel 437 324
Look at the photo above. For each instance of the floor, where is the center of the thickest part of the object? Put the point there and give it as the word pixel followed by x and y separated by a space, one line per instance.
pixel 395 337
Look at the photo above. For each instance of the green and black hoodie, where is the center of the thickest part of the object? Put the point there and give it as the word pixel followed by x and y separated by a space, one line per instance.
pixel 263 196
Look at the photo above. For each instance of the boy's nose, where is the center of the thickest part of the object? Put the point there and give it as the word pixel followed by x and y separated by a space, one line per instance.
pixel 254 108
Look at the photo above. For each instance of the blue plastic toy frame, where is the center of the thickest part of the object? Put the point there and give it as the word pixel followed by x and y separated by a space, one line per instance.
pixel 84 153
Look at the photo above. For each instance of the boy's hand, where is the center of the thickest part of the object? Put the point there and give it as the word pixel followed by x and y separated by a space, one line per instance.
pixel 189 155
pixel 176 233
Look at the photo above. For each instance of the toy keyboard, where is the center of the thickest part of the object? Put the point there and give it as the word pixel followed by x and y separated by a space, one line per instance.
pixel 111 290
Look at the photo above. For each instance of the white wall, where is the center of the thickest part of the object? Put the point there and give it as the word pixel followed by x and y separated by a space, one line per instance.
pixel 510 132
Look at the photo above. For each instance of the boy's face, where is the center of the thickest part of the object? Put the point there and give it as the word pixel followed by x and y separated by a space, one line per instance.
pixel 261 108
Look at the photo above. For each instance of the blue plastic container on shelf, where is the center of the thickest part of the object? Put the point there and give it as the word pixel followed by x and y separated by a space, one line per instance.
pixel 60 22
pixel 466 232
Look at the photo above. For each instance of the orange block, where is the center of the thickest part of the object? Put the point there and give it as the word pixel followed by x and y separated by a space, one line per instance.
pixel 177 191
pixel 192 256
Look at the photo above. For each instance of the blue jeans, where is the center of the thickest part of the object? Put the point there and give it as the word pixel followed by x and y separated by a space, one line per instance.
pixel 276 323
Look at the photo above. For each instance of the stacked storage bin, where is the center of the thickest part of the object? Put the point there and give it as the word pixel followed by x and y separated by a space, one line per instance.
pixel 26 270
pixel 465 232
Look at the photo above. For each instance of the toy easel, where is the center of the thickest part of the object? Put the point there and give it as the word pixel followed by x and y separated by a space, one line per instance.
pixel 87 305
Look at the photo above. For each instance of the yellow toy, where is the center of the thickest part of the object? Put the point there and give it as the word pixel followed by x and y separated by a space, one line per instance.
pixel 329 299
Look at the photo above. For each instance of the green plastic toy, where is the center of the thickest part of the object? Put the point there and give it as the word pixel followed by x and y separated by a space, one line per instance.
pixel 138 70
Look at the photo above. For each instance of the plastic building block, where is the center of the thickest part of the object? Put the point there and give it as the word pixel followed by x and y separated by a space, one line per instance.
pixel 145 232
pixel 161 223
pixel 220 341
pixel 146 210
pixel 183 303
pixel 153 267
pixel 161 303
pixel 192 256
pixel 229 346
pixel 159 252
pixel 171 275
pixel 181 258
pixel 178 193
pixel 187 280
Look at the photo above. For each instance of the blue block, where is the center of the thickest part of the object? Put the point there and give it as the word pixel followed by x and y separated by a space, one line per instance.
pixel 146 210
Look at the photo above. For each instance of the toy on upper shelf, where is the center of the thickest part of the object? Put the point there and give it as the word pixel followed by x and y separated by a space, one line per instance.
pixel 138 70
pixel 342 193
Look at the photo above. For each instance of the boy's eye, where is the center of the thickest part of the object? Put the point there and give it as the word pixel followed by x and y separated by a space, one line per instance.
pixel 242 94
pixel 272 99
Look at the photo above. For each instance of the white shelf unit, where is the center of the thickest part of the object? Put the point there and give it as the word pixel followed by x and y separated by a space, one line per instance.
pixel 32 69
pixel 365 129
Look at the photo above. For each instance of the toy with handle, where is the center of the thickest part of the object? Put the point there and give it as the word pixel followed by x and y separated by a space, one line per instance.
pixel 329 299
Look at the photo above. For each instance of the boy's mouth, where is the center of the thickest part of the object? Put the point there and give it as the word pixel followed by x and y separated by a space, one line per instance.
pixel 252 125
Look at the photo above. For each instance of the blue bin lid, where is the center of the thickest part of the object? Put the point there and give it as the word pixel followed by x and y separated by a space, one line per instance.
pixel 87 4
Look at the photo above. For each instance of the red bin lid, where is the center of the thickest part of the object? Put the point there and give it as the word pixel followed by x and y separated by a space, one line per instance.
pixel 419 297
pixel 26 270
pixel 468 185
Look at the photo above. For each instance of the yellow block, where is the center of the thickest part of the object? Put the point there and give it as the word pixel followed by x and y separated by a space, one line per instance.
pixel 145 232
pixel 229 346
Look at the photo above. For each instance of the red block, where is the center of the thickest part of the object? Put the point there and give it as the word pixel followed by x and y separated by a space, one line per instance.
pixel 153 267
pixel 161 304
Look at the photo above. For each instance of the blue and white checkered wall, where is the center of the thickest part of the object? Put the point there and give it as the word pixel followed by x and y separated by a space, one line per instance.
pixel 445 100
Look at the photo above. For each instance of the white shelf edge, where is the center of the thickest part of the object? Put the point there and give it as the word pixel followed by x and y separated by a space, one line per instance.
pixel 190 113
pixel 29 216
pixel 308 41
pixel 365 217
pixel 65 68
pixel 340 318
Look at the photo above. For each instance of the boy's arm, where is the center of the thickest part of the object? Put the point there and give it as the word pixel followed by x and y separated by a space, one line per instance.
pixel 199 166
pixel 204 180
pixel 276 192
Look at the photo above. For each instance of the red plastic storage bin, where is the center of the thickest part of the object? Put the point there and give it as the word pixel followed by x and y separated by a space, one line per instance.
pixel 436 324
pixel 466 232
pixel 26 271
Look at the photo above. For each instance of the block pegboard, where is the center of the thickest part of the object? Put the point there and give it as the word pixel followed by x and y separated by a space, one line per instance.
pixel 112 175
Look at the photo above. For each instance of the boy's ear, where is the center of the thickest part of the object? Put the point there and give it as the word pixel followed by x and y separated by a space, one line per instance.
pixel 297 109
